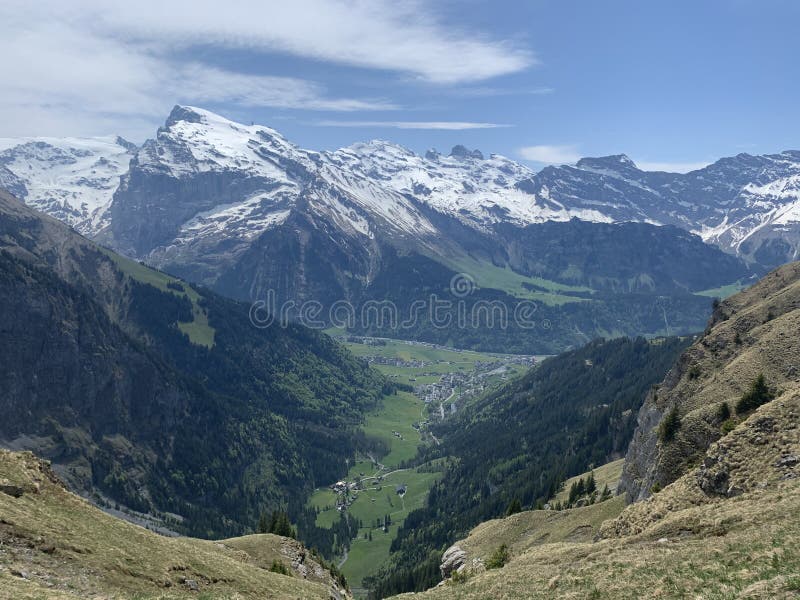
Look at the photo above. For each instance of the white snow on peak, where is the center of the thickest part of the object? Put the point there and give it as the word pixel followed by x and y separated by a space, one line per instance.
pixel 196 140
pixel 73 179
pixel 476 190
pixel 373 186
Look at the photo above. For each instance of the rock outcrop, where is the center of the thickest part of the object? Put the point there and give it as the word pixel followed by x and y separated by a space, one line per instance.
pixel 751 333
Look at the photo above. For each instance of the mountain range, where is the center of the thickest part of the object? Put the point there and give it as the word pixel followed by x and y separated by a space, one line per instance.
pixel 602 247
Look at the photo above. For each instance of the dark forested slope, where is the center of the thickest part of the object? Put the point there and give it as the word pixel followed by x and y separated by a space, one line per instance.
pixel 519 442
pixel 150 394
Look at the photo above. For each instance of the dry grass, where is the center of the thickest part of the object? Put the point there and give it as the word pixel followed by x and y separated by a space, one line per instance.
pixel 682 542
pixel 525 530
pixel 54 544
pixel 607 474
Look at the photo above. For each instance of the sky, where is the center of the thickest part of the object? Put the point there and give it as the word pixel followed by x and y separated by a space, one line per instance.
pixel 673 84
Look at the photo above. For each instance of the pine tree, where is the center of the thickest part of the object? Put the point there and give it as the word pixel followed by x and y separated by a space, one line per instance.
pixel 573 493
pixel 606 494
pixel 263 523
pixel 591 484
pixel 758 394
pixel 669 425
pixel 514 507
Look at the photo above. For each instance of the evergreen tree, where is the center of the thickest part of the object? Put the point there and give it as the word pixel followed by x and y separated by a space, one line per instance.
pixel 669 425
pixel 514 507
pixel 606 494
pixel 263 523
pixel 591 484
pixel 758 394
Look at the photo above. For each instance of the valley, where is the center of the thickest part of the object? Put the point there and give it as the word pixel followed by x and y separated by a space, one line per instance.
pixel 381 491
pixel 375 300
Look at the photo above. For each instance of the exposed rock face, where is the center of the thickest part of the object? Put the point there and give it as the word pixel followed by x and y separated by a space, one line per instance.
pixel 454 559
pixel 759 454
pixel 749 334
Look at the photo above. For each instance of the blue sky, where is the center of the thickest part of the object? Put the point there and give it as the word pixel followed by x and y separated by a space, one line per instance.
pixel 672 84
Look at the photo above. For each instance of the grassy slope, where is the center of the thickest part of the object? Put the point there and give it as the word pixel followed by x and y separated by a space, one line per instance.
pixel 682 542
pixel 487 275
pixel 607 474
pixel 70 549
pixel 724 291
pixel 198 330
pixel 528 529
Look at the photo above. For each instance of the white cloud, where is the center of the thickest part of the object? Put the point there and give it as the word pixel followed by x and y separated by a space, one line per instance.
pixel 394 35
pixel 445 125
pixel 551 155
pixel 89 67
pixel 196 82
pixel 671 167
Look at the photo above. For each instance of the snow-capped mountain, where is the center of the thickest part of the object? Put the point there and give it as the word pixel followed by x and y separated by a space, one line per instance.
pixel 479 190
pixel 214 177
pixel 72 179
pixel 243 210
pixel 742 204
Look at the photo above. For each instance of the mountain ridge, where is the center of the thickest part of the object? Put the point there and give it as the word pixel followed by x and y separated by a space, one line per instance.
pixel 479 190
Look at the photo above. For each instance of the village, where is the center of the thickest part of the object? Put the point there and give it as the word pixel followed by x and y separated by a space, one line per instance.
pixel 442 384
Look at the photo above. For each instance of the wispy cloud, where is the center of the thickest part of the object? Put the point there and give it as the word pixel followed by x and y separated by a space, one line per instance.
pixel 74 67
pixel 396 35
pixel 446 125
pixel 551 155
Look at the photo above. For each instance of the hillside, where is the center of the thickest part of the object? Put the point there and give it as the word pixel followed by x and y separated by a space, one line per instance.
pixel 56 545
pixel 713 465
pixel 242 210
pixel 160 399
pixel 519 442
pixel 751 333
pixel 684 541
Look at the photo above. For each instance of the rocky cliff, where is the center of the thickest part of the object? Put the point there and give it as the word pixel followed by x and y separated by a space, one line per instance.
pixel 751 333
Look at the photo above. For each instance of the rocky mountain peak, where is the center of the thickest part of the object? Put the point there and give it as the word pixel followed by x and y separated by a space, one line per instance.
pixel 460 151
pixel 183 113
pixel 614 162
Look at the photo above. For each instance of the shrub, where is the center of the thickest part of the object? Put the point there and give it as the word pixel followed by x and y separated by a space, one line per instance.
pixel 723 412
pixel 279 567
pixel 459 577
pixel 757 395
pixel 499 558
pixel 670 425
pixel 694 372
pixel 728 425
